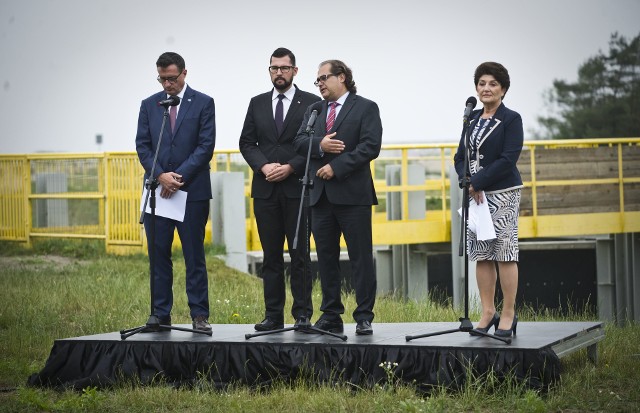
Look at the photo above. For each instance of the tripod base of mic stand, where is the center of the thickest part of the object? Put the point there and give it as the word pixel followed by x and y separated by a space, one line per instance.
pixel 465 327
pixel 303 326
pixel 153 326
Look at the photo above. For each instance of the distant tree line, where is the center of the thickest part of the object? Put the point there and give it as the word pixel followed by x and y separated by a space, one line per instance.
pixel 605 100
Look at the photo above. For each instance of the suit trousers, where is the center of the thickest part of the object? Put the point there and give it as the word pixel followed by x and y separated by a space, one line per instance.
pixel 191 232
pixel 354 222
pixel 276 218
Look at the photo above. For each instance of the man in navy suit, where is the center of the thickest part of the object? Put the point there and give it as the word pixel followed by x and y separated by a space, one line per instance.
pixel 348 137
pixel 183 164
pixel 266 142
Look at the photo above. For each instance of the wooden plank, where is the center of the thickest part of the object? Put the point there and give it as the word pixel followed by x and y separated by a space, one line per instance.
pixel 573 169
pixel 632 197
pixel 580 163
pixel 572 199
pixel 560 155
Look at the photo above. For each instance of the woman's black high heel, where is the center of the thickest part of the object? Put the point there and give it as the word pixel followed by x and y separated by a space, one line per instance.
pixel 493 323
pixel 507 333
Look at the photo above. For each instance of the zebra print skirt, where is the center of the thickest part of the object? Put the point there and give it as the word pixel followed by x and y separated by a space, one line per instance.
pixel 504 208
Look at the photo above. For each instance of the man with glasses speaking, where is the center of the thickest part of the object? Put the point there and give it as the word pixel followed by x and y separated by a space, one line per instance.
pixel 266 142
pixel 182 165
pixel 348 136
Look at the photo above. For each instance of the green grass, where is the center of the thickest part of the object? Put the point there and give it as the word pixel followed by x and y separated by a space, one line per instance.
pixel 65 288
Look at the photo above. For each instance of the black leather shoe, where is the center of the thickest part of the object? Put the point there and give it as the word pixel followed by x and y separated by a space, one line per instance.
pixel 363 328
pixel 330 326
pixel 154 328
pixel 302 323
pixel 268 324
pixel 201 323
pixel 165 321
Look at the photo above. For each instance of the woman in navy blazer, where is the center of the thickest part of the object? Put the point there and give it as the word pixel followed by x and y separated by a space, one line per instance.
pixel 496 139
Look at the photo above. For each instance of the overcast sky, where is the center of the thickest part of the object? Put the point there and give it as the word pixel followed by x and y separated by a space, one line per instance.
pixel 72 69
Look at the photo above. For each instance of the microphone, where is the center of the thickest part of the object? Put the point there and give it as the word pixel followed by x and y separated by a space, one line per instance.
pixel 172 101
pixel 470 105
pixel 313 117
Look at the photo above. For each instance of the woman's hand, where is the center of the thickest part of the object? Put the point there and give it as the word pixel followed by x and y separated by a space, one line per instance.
pixel 477 195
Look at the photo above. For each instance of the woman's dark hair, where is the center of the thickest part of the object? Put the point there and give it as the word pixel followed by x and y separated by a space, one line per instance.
pixel 170 58
pixel 496 70
pixel 338 67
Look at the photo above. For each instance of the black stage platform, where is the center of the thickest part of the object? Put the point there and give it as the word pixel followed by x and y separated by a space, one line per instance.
pixel 182 358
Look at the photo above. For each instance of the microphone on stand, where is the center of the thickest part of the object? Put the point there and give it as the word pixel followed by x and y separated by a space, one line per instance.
pixel 172 101
pixel 313 117
pixel 470 104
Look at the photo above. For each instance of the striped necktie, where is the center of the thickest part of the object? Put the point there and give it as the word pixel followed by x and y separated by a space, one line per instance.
pixel 332 115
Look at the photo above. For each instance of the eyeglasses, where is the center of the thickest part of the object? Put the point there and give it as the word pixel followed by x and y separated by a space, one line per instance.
pixel 323 78
pixel 171 80
pixel 283 69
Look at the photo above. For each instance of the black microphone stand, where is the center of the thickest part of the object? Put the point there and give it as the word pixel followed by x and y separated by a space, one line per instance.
pixel 465 324
pixel 304 323
pixel 151 184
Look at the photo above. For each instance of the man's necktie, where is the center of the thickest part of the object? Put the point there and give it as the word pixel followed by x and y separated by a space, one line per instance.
pixel 172 117
pixel 279 114
pixel 332 115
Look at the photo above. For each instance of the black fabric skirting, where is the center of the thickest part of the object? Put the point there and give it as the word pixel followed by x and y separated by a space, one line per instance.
pixel 78 363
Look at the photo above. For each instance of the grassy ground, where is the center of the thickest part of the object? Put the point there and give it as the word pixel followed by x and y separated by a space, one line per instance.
pixel 65 289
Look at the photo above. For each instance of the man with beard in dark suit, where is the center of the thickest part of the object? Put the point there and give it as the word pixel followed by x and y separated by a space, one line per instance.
pixel 272 121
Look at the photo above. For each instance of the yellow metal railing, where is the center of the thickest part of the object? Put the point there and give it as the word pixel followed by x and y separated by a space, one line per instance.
pixel 590 186
pixel 436 159
pixel 572 187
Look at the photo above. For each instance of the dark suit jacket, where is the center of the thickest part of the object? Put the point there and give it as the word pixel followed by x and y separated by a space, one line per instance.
pixel 188 150
pixel 260 143
pixel 497 153
pixel 359 126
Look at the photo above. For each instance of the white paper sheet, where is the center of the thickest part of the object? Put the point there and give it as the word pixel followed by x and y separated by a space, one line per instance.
pixel 480 220
pixel 172 208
